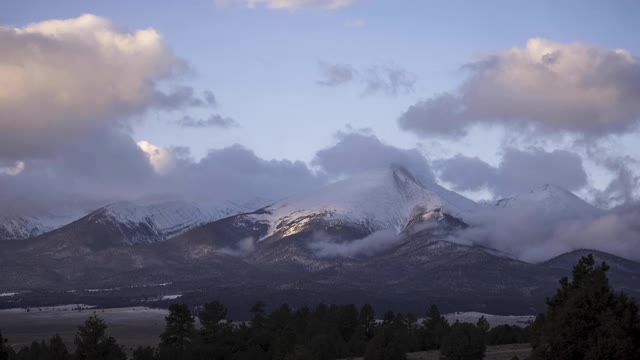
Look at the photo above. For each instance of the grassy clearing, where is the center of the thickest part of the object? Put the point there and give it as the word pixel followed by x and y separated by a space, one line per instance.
pixel 130 326
pixel 499 352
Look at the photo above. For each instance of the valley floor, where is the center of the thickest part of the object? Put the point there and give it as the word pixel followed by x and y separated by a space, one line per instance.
pixel 498 352
pixel 131 327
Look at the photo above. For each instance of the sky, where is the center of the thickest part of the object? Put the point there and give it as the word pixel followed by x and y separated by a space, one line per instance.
pixel 237 99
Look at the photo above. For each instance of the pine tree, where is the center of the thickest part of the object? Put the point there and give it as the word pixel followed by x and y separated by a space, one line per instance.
pixel 93 344
pixel 212 319
pixel 179 331
pixel 465 341
pixel 483 324
pixel 587 320
pixel 57 349
pixel 435 327
pixel 144 353
pixel 4 348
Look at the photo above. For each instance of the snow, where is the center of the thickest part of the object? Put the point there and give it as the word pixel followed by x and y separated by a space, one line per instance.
pixel 494 320
pixel 550 200
pixel 381 199
pixel 171 297
pixel 164 220
pixel 23 227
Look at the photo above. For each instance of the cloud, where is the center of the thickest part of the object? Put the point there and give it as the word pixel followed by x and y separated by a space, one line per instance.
pixel 180 97
pixel 519 171
pixel 12 169
pixel 214 120
pixel 244 247
pixel 389 80
pixel 625 182
pixel 373 244
pixel 69 92
pixel 286 4
pixel 466 173
pixel 63 79
pixel 162 160
pixel 355 152
pixel 547 85
pixel 335 74
pixel 235 173
pixel 531 234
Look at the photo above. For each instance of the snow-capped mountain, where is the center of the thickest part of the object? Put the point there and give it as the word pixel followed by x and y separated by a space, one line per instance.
pixel 28 226
pixel 383 236
pixel 376 200
pixel 138 224
pixel 548 200
pixel 389 202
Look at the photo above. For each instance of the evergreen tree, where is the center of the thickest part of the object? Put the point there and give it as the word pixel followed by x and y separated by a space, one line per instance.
pixel 465 341
pixel 4 348
pixel 212 320
pixel 144 353
pixel 390 341
pixel 179 331
pixel 367 320
pixel 507 334
pixel 57 349
pixel 93 344
pixel 435 328
pixel 483 324
pixel 587 320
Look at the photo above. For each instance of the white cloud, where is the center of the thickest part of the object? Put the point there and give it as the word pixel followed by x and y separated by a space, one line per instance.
pixel 162 160
pixel 62 78
pixel 548 85
pixel 14 169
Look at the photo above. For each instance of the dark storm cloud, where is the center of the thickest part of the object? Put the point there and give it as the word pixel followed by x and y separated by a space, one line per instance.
pixel 215 120
pixel 236 173
pixel 519 171
pixel 356 152
pixel 547 86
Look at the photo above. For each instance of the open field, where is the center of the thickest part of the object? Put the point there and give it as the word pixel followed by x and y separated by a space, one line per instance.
pixel 498 352
pixel 130 326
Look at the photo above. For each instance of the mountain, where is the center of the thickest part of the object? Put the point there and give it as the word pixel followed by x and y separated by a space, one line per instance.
pixel 390 200
pixel 20 227
pixel 127 224
pixel 382 237
pixel 549 200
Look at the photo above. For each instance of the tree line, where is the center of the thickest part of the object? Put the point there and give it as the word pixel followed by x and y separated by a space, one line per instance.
pixel 586 319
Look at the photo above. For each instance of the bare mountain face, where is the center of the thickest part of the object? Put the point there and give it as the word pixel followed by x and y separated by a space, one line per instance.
pixel 379 237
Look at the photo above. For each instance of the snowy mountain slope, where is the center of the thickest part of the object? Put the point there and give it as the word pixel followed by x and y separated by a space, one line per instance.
pixel 376 200
pixel 125 224
pixel 24 227
pixel 158 222
pixel 549 200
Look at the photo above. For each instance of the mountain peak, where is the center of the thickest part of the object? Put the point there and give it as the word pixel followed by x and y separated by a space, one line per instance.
pixel 552 200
